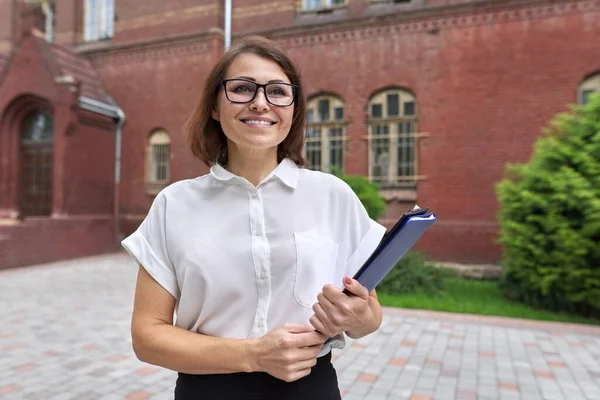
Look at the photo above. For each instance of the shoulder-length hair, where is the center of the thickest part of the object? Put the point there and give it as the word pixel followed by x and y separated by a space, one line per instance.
pixel 205 135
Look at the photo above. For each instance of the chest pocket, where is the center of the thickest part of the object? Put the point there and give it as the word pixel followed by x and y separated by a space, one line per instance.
pixel 315 266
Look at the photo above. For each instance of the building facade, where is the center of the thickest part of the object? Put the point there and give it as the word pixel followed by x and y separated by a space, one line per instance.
pixel 429 98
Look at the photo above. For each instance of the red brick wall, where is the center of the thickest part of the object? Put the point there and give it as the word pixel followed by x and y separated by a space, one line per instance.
pixel 83 167
pixel 90 163
pixel 68 26
pixel 156 89
pixel 486 81
pixel 44 240
pixel 29 71
pixel 26 75
pixel 6 27
pixel 151 19
pixel 258 15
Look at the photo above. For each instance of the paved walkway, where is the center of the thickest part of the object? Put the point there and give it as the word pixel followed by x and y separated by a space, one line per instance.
pixel 64 334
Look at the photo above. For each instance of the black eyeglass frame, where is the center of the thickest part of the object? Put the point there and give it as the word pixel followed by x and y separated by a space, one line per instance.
pixel 295 89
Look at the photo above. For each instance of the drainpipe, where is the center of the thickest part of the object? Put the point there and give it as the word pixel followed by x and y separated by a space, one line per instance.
pixel 116 196
pixel 117 114
pixel 227 24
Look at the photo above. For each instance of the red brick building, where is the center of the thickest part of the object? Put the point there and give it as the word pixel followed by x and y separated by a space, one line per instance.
pixel 431 98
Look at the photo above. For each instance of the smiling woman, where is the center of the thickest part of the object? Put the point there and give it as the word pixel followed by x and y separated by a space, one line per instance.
pixel 252 261
pixel 232 87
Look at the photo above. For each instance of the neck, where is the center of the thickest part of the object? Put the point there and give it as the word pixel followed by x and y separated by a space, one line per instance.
pixel 253 165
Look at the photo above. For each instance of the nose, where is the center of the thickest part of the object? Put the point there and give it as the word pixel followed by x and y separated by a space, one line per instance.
pixel 260 102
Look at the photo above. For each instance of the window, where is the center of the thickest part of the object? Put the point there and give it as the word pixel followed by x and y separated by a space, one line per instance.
pixel 391 1
pixel 44 9
pixel 320 4
pixel 392 139
pixel 325 134
pixel 589 86
pixel 36 152
pixel 158 162
pixel 99 19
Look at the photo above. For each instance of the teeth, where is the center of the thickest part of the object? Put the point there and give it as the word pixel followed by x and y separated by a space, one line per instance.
pixel 255 122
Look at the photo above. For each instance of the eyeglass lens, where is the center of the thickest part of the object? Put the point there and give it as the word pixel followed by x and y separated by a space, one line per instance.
pixel 242 91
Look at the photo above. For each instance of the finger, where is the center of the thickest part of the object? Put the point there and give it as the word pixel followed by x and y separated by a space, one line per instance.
pixel 308 353
pixel 309 339
pixel 325 318
pixel 333 294
pixel 326 304
pixel 299 374
pixel 354 287
pixel 297 328
pixel 308 363
pixel 320 326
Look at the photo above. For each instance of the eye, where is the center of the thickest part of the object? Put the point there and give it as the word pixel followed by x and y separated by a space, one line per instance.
pixel 243 88
pixel 279 90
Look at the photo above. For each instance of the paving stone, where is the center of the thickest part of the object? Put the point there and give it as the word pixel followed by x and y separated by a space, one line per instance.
pixel 64 343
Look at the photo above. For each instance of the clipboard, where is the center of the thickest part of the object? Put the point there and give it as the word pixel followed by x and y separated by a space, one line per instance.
pixel 394 245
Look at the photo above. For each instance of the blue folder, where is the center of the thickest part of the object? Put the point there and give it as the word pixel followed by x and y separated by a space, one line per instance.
pixel 394 245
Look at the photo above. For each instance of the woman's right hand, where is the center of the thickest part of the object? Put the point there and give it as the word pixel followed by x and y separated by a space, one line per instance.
pixel 288 352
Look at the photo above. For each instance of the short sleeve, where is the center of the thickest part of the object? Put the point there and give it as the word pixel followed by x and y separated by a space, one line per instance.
pixel 148 244
pixel 364 235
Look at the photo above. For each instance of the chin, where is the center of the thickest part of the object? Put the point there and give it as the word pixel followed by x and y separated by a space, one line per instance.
pixel 260 142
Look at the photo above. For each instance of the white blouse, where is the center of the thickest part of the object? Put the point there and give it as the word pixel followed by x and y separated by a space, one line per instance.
pixel 241 260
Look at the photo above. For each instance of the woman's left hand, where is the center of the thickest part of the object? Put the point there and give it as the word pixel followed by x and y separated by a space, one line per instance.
pixel 337 312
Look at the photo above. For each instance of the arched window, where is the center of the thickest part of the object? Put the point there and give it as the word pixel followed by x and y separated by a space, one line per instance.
pixel 36 148
pixel 392 139
pixel 158 161
pixel 589 86
pixel 325 134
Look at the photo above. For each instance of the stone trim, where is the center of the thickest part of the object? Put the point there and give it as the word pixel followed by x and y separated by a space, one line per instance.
pixel 431 21
pixel 145 21
pixel 133 53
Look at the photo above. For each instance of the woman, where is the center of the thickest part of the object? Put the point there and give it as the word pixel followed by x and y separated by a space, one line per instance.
pixel 253 256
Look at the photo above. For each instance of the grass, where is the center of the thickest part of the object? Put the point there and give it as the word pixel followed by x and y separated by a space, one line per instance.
pixel 476 297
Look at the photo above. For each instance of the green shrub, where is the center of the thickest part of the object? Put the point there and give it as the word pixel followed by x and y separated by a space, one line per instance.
pixel 550 217
pixel 367 192
pixel 413 274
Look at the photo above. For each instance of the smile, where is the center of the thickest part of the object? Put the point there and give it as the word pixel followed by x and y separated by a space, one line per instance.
pixel 254 122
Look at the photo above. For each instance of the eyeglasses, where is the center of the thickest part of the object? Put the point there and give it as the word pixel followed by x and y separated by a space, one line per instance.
pixel 244 91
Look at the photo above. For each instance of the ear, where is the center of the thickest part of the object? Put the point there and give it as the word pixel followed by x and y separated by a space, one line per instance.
pixel 215 114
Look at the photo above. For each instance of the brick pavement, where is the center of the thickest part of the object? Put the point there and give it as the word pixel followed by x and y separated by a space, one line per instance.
pixel 64 334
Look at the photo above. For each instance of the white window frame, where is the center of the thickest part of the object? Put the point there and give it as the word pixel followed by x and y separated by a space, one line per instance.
pixel 159 140
pixel 48 10
pixel 389 162
pixel 331 132
pixel 99 17
pixel 590 84
pixel 311 5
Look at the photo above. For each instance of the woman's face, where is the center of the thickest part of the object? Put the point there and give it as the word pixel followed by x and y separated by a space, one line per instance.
pixel 257 124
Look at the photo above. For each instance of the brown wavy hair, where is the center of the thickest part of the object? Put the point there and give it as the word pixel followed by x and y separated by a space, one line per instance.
pixel 205 135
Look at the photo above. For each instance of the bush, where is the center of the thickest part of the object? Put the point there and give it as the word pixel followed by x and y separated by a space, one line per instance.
pixel 550 217
pixel 413 274
pixel 367 192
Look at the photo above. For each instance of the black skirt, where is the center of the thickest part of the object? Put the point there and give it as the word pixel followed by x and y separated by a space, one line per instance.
pixel 320 384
